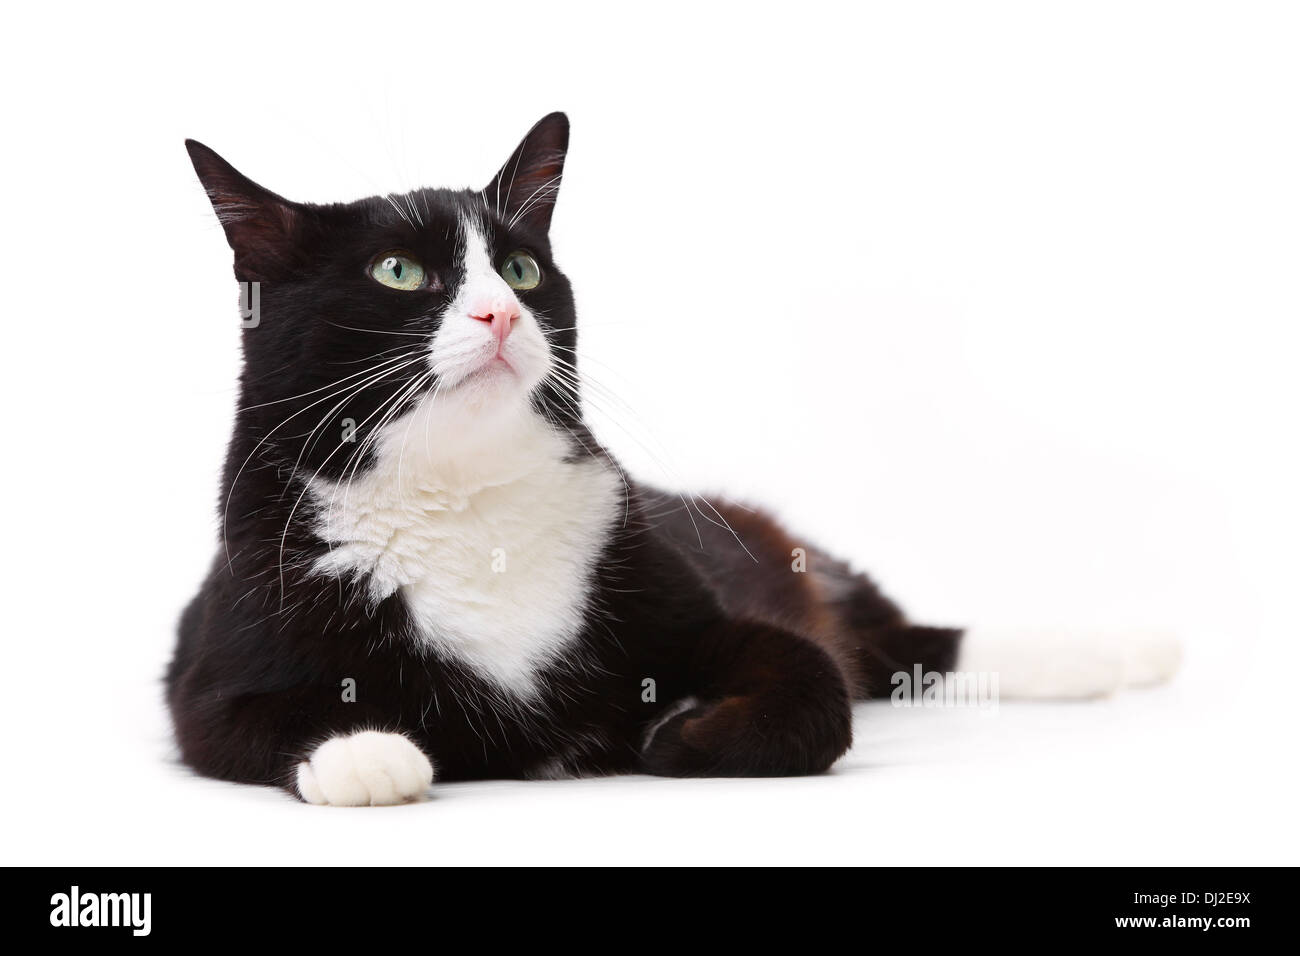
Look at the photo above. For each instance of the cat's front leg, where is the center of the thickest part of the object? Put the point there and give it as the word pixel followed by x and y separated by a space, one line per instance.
pixel 302 739
pixel 366 768
pixel 770 703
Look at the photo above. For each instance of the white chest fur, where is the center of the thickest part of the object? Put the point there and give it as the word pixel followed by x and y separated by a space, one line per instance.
pixel 489 534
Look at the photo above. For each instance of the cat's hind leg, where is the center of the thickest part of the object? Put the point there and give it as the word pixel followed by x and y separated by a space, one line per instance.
pixel 867 634
pixel 769 703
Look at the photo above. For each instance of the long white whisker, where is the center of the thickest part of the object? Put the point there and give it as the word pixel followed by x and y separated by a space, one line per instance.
pixel 351 328
pixel 567 369
pixel 307 488
pixel 384 367
pixel 551 187
pixel 310 443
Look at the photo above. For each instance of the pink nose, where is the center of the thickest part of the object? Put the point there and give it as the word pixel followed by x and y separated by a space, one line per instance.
pixel 500 314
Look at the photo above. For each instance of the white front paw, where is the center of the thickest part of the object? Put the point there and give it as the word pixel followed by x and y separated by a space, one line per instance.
pixel 365 769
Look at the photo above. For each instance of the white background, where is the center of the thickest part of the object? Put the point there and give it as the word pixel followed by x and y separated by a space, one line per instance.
pixel 998 300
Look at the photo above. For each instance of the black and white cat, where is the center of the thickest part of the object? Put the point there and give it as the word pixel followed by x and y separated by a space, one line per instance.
pixel 432 568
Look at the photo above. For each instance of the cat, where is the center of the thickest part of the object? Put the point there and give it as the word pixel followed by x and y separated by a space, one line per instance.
pixel 430 567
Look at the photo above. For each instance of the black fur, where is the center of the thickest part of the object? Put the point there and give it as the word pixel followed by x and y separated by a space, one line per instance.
pixel 772 657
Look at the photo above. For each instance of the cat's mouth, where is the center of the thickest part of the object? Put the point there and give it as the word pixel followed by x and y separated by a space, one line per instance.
pixel 496 365
pixel 486 373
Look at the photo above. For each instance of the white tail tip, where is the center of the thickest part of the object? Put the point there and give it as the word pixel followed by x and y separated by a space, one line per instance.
pixel 1059 664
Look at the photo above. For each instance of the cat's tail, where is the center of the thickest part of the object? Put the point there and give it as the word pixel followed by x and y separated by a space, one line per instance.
pixel 878 648
pixel 1011 664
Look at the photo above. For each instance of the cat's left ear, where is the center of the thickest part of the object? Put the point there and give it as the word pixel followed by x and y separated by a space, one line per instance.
pixel 524 190
pixel 262 228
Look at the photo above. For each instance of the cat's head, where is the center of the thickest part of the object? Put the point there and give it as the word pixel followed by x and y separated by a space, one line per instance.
pixel 357 312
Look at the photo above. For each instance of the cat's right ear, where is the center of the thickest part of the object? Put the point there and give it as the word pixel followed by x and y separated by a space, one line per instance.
pixel 261 227
pixel 523 191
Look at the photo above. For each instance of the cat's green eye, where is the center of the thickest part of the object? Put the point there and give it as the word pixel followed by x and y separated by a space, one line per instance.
pixel 397 271
pixel 521 271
